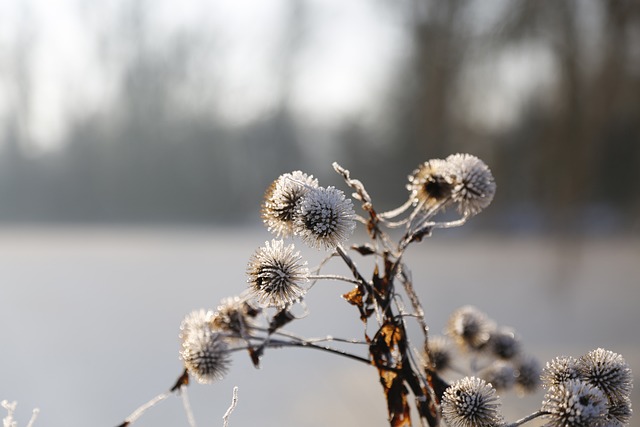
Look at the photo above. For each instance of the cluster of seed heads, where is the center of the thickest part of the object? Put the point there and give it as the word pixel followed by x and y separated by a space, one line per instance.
pixel 592 390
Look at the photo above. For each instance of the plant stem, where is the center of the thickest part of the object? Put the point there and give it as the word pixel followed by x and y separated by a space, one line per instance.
pixel 278 343
pixel 354 270
pixel 527 419
pixel 333 277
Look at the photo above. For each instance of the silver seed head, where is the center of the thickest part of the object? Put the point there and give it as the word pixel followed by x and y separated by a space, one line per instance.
pixel 471 402
pixel 276 273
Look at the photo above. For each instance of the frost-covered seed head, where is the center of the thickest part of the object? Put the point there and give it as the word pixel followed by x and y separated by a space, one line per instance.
pixel 528 378
pixel 504 343
pixel 608 371
pixel 575 403
pixel 441 353
pixel 501 374
pixel 471 402
pixel 325 218
pixel 469 327
pixel 234 315
pixel 203 350
pixel 276 273
pixel 430 183
pixel 473 183
pixel 281 201
pixel 619 413
pixel 559 370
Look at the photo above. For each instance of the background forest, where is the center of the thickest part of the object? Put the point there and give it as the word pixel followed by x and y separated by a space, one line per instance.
pixel 135 111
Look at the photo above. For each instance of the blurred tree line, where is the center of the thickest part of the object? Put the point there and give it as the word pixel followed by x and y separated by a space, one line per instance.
pixel 569 161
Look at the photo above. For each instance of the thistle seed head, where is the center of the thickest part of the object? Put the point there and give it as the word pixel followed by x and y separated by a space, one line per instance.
pixel 203 349
pixel 575 403
pixel 473 183
pixel 471 402
pixel 281 201
pixel 276 273
pixel 325 218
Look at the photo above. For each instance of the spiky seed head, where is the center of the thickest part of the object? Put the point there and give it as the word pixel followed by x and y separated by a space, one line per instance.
pixel 469 327
pixel 501 374
pixel 528 378
pixel 235 315
pixel 559 370
pixel 440 353
pixel 430 184
pixel 471 402
pixel 203 350
pixel 473 183
pixel 608 371
pixel 619 412
pixel 504 343
pixel 325 218
pixel 281 201
pixel 276 273
pixel 574 403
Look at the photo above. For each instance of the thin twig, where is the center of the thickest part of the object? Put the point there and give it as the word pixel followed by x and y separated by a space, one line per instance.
pixel 277 343
pixel 34 415
pixel 142 409
pixel 187 406
pixel 333 277
pixel 527 419
pixel 328 338
pixel 234 403
pixel 397 211
pixel 354 270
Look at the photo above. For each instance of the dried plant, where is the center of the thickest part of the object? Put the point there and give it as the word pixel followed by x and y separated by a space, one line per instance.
pixel 452 379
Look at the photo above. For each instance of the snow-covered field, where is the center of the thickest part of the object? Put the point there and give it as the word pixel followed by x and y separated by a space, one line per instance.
pixel 89 320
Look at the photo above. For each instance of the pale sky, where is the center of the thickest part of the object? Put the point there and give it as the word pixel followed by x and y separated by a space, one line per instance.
pixel 349 57
pixel 350 52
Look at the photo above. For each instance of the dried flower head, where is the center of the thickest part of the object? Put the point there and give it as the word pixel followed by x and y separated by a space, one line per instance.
pixel 619 412
pixel 473 183
pixel 504 343
pixel 608 371
pixel 281 201
pixel 469 327
pixel 325 218
pixel 234 315
pixel 430 183
pixel 440 353
pixel 574 403
pixel 275 274
pixel 528 379
pixel 559 370
pixel 471 402
pixel 203 350
pixel 501 374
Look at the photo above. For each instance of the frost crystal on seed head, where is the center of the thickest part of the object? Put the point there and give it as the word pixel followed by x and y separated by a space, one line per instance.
pixel 575 403
pixel 430 183
pixel 501 374
pixel 608 371
pixel 473 183
pixel 325 218
pixel 203 350
pixel 619 412
pixel 281 200
pixel 471 402
pixel 528 379
pixel 234 315
pixel 275 274
pixel 504 343
pixel 559 370
pixel 440 353
pixel 469 327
